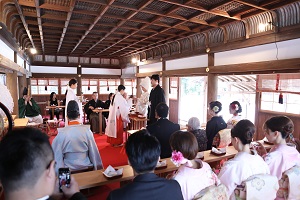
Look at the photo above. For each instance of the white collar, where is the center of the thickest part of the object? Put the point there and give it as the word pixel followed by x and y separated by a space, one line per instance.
pixel 44 198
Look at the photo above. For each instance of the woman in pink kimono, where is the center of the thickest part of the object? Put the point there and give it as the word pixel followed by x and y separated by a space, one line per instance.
pixel 282 156
pixel 118 113
pixel 193 175
pixel 246 163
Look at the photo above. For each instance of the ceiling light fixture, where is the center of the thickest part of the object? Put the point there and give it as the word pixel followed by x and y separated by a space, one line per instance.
pixel 134 60
pixel 207 49
pixel 31 50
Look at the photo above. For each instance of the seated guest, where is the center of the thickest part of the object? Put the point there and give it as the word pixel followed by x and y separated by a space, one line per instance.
pixel 281 157
pixel 74 146
pixel 246 162
pixel 29 109
pixel 235 109
pixel 163 129
pixel 27 167
pixel 53 102
pixel 143 152
pixel 215 124
pixel 193 126
pixel 107 104
pixel 93 116
pixel 193 175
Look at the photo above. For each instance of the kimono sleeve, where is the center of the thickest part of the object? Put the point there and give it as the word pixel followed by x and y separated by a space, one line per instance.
pixel 94 154
pixel 229 177
pixel 57 146
pixel 35 106
pixel 22 107
pixel 124 110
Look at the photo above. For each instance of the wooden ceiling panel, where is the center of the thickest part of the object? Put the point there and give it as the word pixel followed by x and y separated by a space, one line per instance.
pixel 116 27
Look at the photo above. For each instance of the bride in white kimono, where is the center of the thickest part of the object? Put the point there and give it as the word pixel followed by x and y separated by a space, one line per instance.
pixel 143 101
pixel 246 162
pixel 71 95
pixel 118 113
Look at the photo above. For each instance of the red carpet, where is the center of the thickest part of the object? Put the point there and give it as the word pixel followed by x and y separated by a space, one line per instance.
pixel 114 156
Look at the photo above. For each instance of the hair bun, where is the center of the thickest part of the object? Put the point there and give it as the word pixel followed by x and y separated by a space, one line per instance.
pixel 249 135
pixel 288 129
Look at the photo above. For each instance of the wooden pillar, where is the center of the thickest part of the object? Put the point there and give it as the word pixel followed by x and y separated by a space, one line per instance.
pixel 122 81
pixel 257 109
pixel 138 82
pixel 22 83
pixel 212 83
pixel 12 86
pixel 165 84
pixel 79 82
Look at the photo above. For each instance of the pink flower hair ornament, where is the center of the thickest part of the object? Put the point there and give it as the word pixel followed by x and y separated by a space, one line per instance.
pixel 178 159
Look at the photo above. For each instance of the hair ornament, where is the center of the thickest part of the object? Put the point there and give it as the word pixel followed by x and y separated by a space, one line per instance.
pixel 216 109
pixel 235 107
pixel 178 159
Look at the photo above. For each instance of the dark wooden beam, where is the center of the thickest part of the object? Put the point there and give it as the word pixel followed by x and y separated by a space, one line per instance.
pixel 129 16
pixel 72 5
pixel 83 76
pixel 63 64
pixel 19 9
pixel 38 15
pixel 102 12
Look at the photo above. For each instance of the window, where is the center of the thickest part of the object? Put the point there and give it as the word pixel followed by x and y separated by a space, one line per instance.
pixel 64 85
pixel 89 86
pixel 173 88
pixel 270 102
pixel 107 86
pixel 44 86
pixel 271 86
pixel 130 85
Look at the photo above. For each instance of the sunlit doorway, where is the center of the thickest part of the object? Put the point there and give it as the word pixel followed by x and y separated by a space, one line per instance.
pixel 192 101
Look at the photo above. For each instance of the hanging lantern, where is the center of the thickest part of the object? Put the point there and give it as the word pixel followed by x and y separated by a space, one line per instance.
pixel 280 98
pixel 46 87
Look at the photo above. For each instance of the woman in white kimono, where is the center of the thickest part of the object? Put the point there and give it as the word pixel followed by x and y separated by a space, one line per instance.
pixel 143 101
pixel 74 146
pixel 118 113
pixel 282 156
pixel 71 95
pixel 235 109
pixel 246 162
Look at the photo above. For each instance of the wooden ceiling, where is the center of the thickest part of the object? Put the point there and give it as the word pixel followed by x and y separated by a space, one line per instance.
pixel 114 28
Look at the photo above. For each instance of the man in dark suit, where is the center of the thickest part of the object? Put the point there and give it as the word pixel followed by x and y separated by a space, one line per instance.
pixel 27 167
pixel 157 96
pixel 163 129
pixel 93 116
pixel 143 154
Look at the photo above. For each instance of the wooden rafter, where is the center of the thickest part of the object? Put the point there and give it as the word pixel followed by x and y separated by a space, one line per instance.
pixel 143 5
pixel 39 20
pixel 102 12
pixel 72 4
pixel 251 4
pixel 24 22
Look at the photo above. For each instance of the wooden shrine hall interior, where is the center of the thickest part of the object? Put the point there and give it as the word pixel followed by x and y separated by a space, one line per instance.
pixel 202 50
pixel 246 50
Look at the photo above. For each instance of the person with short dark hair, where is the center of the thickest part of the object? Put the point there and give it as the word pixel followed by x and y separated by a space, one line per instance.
pixel 246 162
pixel 107 104
pixel 53 102
pixel 118 116
pixel 71 95
pixel 74 146
pixel 28 108
pixel 193 175
pixel 27 167
pixel 143 152
pixel 162 129
pixel 93 116
pixel 281 157
pixel 157 95
pixel 215 124
pixel 235 109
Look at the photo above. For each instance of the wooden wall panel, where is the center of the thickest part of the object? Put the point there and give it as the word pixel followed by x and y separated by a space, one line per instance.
pixel 263 116
pixel 173 113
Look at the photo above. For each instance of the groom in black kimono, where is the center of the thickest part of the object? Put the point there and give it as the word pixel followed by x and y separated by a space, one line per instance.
pixel 157 96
